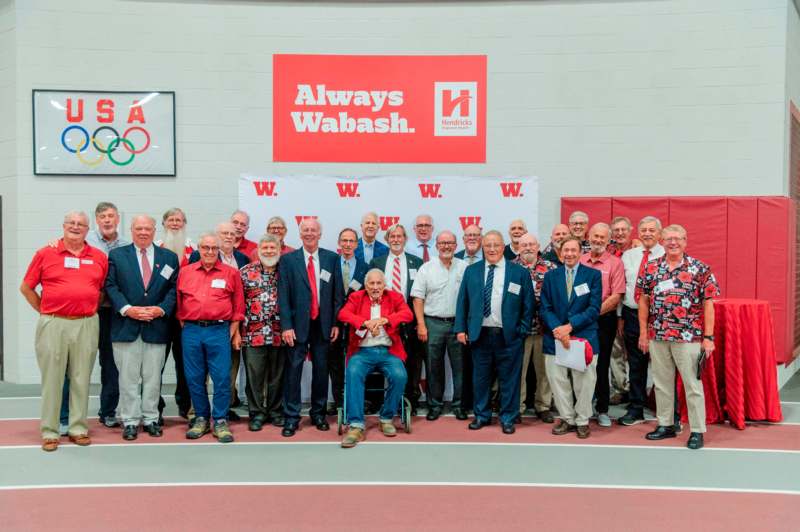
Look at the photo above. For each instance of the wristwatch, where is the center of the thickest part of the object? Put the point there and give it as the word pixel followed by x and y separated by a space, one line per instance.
pixel 708 337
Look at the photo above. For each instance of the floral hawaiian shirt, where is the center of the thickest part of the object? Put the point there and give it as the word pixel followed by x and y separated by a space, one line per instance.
pixel 677 297
pixel 262 324
pixel 537 271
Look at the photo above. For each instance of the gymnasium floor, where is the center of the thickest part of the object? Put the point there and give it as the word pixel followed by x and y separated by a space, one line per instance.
pixel 441 476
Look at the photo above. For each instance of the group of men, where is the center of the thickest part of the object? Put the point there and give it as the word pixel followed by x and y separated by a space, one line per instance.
pixel 368 307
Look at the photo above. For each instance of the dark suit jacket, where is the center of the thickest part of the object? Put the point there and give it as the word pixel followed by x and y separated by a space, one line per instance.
pixel 508 253
pixel 294 293
pixel 463 253
pixel 358 275
pixel 124 287
pixel 241 259
pixel 517 312
pixel 412 263
pixel 580 311
pixel 380 249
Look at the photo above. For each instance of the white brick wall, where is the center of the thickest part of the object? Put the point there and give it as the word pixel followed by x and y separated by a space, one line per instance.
pixel 637 97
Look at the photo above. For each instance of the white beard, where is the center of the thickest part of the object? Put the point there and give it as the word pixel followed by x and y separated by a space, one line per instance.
pixel 175 241
pixel 269 262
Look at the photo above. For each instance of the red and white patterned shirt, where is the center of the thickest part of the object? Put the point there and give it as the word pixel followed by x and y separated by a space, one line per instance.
pixel 537 271
pixel 262 324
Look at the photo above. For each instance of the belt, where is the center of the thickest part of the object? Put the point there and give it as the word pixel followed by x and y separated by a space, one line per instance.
pixel 448 320
pixel 206 323
pixel 626 308
pixel 492 330
pixel 67 317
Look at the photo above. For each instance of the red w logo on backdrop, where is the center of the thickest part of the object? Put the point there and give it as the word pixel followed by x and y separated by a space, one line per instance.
pixel 511 190
pixel 348 190
pixel 299 218
pixel 265 188
pixel 388 221
pixel 466 221
pixel 430 190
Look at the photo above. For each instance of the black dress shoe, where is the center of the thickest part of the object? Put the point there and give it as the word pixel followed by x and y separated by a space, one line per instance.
pixel 661 433
pixel 434 413
pixel 160 420
pixel 517 420
pixel 233 416
pixel 130 432
pixel 478 424
pixel 153 429
pixel 508 428
pixel 321 423
pixel 695 440
pixel 460 414
pixel 277 420
pixel 332 410
pixel 256 423
pixel 288 430
pixel 109 422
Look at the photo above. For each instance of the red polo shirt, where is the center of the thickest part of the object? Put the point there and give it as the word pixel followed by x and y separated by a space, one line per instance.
pixel 612 269
pixel 248 247
pixel 215 294
pixel 71 284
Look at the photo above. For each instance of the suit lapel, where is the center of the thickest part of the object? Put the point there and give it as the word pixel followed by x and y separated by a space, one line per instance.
pixel 301 257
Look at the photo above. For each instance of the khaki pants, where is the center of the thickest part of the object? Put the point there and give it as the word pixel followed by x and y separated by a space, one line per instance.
pixel 63 346
pixel 533 350
pixel 579 411
pixel 664 358
pixel 619 367
pixel 139 364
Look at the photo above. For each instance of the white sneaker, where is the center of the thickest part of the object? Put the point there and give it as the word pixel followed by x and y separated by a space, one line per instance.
pixel 603 420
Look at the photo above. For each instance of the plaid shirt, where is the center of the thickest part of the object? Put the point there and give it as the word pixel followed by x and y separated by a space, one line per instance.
pixel 677 297
pixel 262 324
pixel 537 271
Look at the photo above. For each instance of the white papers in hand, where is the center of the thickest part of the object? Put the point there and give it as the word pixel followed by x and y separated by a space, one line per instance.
pixel 573 358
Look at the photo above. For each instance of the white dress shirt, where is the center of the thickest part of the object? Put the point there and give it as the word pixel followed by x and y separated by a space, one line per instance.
pixel 414 247
pixel 438 286
pixel 382 338
pixel 306 254
pixel 495 319
pixel 387 272
pixel 230 260
pixel 369 250
pixel 631 260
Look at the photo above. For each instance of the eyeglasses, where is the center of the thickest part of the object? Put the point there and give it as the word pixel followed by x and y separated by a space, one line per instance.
pixel 275 228
pixel 424 225
pixel 209 248
pixel 493 246
pixel 674 239
pixel 445 243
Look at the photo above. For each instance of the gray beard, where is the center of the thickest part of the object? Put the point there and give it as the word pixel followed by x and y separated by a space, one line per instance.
pixel 269 262
pixel 175 241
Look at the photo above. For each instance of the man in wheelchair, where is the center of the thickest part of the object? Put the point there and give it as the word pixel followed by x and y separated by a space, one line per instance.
pixel 374 315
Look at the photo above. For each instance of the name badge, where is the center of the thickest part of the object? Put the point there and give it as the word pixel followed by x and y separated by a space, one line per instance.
pixel 325 275
pixel 72 262
pixel 355 285
pixel 513 288
pixel 412 273
pixel 87 261
pixel 665 286
pixel 582 289
pixel 218 283
pixel 166 271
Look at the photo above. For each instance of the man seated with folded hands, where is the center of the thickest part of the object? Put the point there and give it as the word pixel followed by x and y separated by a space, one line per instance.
pixel 374 315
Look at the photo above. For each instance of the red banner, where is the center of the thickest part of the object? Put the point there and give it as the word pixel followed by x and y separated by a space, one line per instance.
pixel 346 108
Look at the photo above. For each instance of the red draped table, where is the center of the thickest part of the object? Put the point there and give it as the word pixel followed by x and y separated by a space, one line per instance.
pixel 740 379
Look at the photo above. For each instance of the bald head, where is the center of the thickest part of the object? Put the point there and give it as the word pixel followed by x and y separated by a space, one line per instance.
pixel 528 248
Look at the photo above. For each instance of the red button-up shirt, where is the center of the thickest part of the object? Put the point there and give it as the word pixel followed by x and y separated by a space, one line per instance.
pixel 71 284
pixel 612 269
pixel 248 247
pixel 214 294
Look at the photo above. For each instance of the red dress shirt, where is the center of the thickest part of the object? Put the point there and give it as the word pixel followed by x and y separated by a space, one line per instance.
pixel 214 294
pixel 68 291
pixel 357 310
pixel 612 269
pixel 248 247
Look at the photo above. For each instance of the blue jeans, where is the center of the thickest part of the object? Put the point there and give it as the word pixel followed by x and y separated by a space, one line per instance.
pixel 491 350
pixel 362 363
pixel 207 350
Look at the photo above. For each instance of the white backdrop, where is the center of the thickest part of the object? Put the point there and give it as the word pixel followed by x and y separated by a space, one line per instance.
pixel 339 202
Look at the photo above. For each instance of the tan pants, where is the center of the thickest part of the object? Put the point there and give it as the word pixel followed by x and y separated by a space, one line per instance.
pixel 533 350
pixel 65 345
pixel 619 367
pixel 139 365
pixel 664 358
pixel 579 411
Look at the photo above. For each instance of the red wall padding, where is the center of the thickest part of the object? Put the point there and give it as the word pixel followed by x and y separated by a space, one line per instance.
pixel 748 241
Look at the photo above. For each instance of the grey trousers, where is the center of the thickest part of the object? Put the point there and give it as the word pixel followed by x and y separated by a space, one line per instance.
pixel 139 365
pixel 441 338
pixel 264 387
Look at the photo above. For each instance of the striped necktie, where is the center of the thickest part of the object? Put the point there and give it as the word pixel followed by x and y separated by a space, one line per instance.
pixel 487 292
pixel 396 283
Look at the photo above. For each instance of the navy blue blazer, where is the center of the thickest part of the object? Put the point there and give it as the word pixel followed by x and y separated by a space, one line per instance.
pixel 580 311
pixel 517 312
pixel 380 249
pixel 294 293
pixel 241 259
pixel 124 287
pixel 358 276
pixel 412 263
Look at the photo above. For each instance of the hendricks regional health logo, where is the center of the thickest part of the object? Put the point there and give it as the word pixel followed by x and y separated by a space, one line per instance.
pixel 455 109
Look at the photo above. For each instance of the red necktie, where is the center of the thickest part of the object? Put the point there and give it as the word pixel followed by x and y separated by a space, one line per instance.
pixel 425 255
pixel 396 284
pixel 147 272
pixel 637 292
pixel 312 281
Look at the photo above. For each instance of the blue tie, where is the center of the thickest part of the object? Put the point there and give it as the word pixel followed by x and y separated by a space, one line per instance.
pixel 487 292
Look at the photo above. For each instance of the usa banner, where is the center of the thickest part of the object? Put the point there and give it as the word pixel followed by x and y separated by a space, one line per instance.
pixel 379 108
pixel 103 133
pixel 339 201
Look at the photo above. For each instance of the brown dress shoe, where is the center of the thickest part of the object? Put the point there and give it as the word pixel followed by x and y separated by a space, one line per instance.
pixel 546 416
pixel 49 445
pixel 583 432
pixel 562 427
pixel 81 439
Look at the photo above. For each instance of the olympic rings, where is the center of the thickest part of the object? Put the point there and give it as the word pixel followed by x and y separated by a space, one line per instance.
pixel 95 140
pixel 113 146
pixel 64 137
